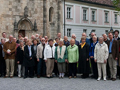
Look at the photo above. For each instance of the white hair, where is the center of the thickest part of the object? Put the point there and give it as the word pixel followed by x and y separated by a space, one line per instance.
pixel 10 35
pixel 95 37
pixel 101 37
pixel 73 35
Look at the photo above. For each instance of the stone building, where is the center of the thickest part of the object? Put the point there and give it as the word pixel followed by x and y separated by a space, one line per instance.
pixel 29 17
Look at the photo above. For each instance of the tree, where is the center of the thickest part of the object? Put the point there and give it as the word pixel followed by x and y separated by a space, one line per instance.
pixel 117 4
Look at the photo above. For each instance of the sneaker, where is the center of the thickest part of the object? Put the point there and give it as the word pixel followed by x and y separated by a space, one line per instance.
pixel 19 76
pixel 70 77
pixel 104 79
pixel 98 79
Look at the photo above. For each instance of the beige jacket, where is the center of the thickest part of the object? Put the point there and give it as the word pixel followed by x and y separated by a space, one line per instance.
pixel 39 51
pixel 101 52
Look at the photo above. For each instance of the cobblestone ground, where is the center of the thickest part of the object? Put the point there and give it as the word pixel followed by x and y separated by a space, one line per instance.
pixel 57 84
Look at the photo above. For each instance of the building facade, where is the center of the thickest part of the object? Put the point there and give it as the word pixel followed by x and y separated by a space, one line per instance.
pixel 90 16
pixel 30 17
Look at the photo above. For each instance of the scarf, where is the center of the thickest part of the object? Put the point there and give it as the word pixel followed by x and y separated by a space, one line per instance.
pixel 82 45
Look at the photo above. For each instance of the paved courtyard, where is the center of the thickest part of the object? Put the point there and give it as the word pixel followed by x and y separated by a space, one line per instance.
pixel 57 84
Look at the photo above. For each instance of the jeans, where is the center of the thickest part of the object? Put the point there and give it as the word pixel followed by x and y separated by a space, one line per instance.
pixel 41 67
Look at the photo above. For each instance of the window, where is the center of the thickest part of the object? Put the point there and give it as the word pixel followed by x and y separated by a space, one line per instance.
pixel 106 31
pixel 69 32
pixel 93 31
pixel 84 14
pixel 68 12
pixel 51 14
pixel 115 18
pixel 93 15
pixel 106 16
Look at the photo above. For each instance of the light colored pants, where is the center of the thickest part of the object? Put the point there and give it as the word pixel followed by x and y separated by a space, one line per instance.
pixel 61 67
pixel 101 67
pixel 49 67
pixel 10 67
pixel 113 66
pixel 21 70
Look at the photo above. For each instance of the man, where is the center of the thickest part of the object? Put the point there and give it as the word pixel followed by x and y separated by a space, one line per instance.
pixel 87 40
pixel 66 42
pixel 32 37
pixel 37 36
pixel 5 36
pixel 2 61
pixel 116 37
pixel 40 39
pixel 59 37
pixel 19 37
pixel 113 56
pixel 46 40
pixel 9 49
pixel 105 38
pixel 74 37
pixel 116 33
pixel 25 40
pixel 41 68
pixel 91 39
pixel 49 54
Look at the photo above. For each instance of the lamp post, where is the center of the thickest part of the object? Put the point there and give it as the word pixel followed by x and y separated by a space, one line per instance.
pixel 64 17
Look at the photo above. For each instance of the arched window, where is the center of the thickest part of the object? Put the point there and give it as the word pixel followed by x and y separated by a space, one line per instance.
pixel 51 10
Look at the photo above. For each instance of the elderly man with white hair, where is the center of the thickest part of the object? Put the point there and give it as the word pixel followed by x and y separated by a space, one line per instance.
pixel 101 55
pixel 9 49
pixel 74 37
pixel 91 39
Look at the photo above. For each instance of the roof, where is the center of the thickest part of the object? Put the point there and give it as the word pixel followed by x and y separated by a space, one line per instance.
pixel 99 2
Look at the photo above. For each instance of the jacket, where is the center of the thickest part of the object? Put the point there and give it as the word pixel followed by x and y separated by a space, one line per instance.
pixel 49 52
pixel 73 54
pixel 101 52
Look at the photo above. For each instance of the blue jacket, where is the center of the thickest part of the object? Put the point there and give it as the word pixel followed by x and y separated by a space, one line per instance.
pixel 77 42
pixel 92 47
pixel 87 41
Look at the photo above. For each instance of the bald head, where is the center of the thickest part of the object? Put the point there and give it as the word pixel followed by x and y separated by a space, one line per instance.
pixel 73 36
pixel 10 37
pixel 84 35
pixel 65 38
pixel 72 42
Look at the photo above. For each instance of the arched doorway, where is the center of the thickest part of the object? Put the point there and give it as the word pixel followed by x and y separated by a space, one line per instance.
pixel 22 32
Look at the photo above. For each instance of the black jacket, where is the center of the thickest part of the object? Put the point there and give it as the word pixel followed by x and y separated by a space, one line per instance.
pixel 27 61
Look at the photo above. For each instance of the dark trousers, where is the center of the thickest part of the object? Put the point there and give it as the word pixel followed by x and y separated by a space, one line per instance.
pixel 41 67
pixel 15 67
pixel 108 70
pixel 55 70
pixel 2 67
pixel 94 68
pixel 72 69
pixel 29 71
pixel 35 67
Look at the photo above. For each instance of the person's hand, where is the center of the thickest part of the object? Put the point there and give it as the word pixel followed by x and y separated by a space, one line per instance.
pixel 45 60
pixel 66 60
pixel 105 61
pixel 116 58
pixel 30 58
pixel 87 59
pixel 80 43
pixel 56 61
pixel 38 60
pixel 91 56
pixel 95 60
pixel 18 62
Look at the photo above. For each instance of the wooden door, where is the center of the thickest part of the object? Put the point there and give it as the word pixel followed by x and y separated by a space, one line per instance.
pixel 22 32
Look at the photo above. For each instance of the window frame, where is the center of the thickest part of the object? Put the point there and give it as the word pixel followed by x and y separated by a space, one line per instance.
pixel 69 33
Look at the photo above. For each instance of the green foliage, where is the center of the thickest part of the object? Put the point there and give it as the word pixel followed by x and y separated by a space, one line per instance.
pixel 117 4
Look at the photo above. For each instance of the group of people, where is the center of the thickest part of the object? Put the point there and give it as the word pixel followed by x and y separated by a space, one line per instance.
pixel 42 57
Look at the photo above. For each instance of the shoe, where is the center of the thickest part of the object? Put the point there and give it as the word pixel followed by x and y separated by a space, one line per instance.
pixel 99 79
pixel 74 76
pixel 11 76
pixel 70 77
pixel 19 76
pixel 5 76
pixel 31 77
pixel 104 79
pixel 25 77
pixel 114 79
pixel 38 76
pixel 109 78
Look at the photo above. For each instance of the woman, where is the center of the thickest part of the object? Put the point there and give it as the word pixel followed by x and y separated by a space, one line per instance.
pixel 73 56
pixel 28 60
pixel 20 57
pixel 60 58
pixel 84 66
pixel 91 54
pixel 101 56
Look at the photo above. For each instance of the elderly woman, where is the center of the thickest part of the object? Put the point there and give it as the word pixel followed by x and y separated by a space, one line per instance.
pixel 28 60
pixel 91 54
pixel 84 66
pixel 20 57
pixel 60 58
pixel 101 56
pixel 73 56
